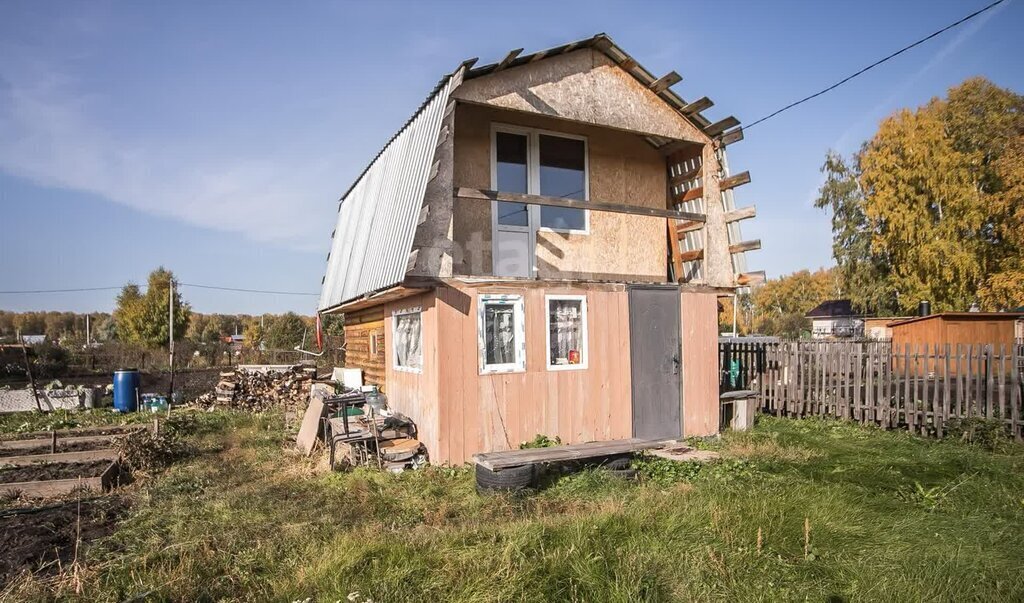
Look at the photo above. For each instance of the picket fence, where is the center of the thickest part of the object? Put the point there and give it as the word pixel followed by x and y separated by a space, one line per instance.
pixel 918 388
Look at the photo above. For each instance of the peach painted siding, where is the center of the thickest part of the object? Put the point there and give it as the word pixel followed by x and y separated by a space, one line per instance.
pixel 415 394
pixel 497 412
pixel 700 363
pixel 460 412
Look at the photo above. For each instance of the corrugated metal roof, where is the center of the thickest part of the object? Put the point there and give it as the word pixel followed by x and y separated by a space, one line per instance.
pixel 377 216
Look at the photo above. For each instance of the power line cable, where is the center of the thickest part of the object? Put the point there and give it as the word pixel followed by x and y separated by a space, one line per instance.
pixel 246 290
pixel 85 289
pixel 876 63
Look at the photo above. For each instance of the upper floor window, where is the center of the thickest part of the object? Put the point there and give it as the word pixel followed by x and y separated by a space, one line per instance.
pixel 538 162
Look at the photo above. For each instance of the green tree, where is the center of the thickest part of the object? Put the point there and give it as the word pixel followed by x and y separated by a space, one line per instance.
pixel 285 332
pixel 143 318
pixel 930 206
pixel 864 275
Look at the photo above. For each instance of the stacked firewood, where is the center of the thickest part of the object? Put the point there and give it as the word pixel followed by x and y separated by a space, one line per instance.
pixel 258 390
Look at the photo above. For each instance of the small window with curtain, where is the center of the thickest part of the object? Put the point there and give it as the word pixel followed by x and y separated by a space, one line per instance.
pixel 566 332
pixel 501 334
pixel 407 334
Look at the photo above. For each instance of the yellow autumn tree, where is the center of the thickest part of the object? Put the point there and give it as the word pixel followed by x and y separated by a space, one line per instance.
pixel 930 206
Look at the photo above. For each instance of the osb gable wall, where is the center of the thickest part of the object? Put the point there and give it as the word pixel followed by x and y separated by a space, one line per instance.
pixel 699 323
pixel 586 86
pixel 482 413
pixel 624 168
pixel 410 393
pixel 359 327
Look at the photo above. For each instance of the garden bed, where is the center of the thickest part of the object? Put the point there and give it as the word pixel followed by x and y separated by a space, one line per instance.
pixel 44 539
pixel 53 471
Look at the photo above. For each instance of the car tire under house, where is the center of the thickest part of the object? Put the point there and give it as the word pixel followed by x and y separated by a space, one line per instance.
pixel 511 479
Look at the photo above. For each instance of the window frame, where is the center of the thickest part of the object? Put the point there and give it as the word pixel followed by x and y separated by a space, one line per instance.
pixel 394 339
pixel 585 347
pixel 533 175
pixel 519 324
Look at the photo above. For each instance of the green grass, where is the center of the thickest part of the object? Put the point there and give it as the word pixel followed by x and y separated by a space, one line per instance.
pixel 892 517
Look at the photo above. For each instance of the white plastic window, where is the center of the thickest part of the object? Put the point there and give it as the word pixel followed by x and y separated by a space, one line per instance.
pixel 566 332
pixel 407 333
pixel 501 334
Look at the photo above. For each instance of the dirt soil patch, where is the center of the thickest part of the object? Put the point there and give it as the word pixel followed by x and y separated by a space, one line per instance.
pixel 35 541
pixel 47 471
pixel 67 447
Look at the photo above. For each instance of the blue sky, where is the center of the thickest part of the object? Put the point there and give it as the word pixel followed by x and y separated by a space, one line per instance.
pixel 215 138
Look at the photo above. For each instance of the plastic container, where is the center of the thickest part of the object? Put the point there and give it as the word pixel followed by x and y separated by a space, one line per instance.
pixel 126 390
pixel 153 403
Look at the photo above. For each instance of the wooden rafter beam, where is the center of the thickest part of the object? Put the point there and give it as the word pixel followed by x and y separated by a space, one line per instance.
pixel 691 256
pixel 511 56
pixel 721 126
pixel 698 105
pixel 745 279
pixel 685 226
pixel 745 246
pixel 690 195
pixel 621 208
pixel 734 181
pixel 665 82
pixel 628 64
pixel 732 136
pixel 686 176
pixel 742 213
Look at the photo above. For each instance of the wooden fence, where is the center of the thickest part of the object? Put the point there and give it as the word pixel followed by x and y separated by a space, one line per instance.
pixel 919 388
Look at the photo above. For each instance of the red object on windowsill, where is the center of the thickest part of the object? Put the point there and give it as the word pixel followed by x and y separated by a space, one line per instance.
pixel 574 356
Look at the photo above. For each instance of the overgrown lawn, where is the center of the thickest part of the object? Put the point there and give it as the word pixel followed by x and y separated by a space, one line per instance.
pixel 892 517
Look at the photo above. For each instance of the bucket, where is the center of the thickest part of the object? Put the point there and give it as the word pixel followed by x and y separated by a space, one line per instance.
pixel 126 390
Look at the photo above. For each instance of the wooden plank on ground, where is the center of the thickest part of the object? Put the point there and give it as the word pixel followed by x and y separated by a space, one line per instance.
pixel 53 487
pixel 310 428
pixel 28 444
pixel 496 461
pixel 80 456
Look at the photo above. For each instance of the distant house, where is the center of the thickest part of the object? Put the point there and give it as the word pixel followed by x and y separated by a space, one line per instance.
pixel 835 319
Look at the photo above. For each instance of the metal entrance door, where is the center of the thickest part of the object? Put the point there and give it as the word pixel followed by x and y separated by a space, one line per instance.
pixel 654 350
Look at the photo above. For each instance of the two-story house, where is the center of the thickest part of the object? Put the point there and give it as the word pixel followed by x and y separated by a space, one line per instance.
pixel 539 250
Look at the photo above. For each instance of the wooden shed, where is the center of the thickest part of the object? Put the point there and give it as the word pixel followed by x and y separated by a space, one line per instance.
pixel 957 328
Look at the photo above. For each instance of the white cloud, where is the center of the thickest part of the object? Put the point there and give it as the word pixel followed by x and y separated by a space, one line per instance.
pixel 52 137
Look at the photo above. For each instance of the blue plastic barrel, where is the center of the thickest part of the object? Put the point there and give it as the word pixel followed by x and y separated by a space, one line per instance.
pixel 126 390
